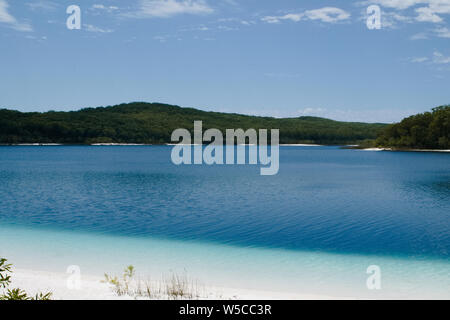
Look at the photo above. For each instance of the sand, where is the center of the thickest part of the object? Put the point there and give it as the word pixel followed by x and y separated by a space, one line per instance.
pixel 92 288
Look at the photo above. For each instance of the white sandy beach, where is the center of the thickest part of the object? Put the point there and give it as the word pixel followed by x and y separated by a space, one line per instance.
pixel 92 288
pixel 376 149
pixel 412 150
pixel 118 144
pixel 300 145
pixel 37 144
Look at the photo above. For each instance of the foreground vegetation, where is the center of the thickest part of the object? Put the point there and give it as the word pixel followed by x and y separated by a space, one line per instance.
pixel 174 288
pixel 429 130
pixel 7 293
pixel 153 123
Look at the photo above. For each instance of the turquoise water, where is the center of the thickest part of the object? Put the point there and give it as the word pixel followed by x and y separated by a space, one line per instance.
pixel 313 228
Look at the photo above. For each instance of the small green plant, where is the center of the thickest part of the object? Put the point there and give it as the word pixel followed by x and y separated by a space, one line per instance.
pixel 121 286
pixel 43 296
pixel 15 294
pixel 5 268
pixel 19 294
pixel 176 287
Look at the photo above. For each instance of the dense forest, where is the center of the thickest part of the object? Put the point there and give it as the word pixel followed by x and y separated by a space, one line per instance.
pixel 429 130
pixel 153 123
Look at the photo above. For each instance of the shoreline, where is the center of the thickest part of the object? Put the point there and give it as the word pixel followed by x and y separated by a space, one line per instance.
pixel 403 150
pixel 345 147
pixel 140 144
pixel 92 288
pixel 303 145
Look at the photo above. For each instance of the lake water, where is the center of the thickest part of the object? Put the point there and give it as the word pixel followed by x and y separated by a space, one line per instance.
pixel 314 228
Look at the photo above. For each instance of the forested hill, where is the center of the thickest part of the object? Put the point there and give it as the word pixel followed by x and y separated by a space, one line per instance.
pixel 153 123
pixel 429 130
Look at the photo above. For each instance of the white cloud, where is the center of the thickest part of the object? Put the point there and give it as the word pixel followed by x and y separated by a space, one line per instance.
pixel 442 32
pixel 439 58
pixel 425 14
pixel 4 14
pixel 406 4
pixel 160 38
pixel 326 14
pixel 391 19
pixel 91 28
pixel 7 18
pixel 426 10
pixel 227 28
pixel 271 19
pixel 419 36
pixel 436 58
pixel 419 59
pixel 44 5
pixel 104 8
pixel 276 19
pixel 169 8
pixel 247 23
pixel 396 4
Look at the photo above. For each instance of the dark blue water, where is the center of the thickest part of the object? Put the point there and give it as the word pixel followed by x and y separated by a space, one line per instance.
pixel 323 199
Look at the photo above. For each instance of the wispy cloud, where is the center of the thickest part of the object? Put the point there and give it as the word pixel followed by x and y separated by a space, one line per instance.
pixel 436 58
pixel 389 19
pixel 392 19
pixel 419 36
pixel 43 5
pixel 326 14
pixel 426 14
pixel 419 59
pixel 439 58
pixel 102 7
pixel 170 8
pixel 442 32
pixel 92 28
pixel 11 21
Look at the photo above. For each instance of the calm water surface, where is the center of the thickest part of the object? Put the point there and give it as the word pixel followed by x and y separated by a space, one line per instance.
pixel 324 199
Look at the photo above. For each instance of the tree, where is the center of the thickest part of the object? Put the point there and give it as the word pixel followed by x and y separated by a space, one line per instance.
pixel 429 130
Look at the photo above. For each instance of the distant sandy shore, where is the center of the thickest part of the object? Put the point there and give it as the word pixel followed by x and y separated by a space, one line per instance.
pixel 119 144
pixel 405 150
pixel 93 289
pixel 301 145
pixel 376 149
pixel 37 144
pixel 137 144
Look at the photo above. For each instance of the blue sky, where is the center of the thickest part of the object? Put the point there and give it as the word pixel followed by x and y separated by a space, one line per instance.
pixel 281 58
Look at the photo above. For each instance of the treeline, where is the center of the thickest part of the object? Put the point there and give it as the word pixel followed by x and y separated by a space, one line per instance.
pixel 153 123
pixel 429 130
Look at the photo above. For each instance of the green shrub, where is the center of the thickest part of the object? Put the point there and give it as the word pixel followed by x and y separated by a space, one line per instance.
pixel 15 293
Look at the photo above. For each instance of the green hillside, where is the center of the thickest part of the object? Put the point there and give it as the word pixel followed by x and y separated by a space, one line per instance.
pixel 153 123
pixel 429 130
